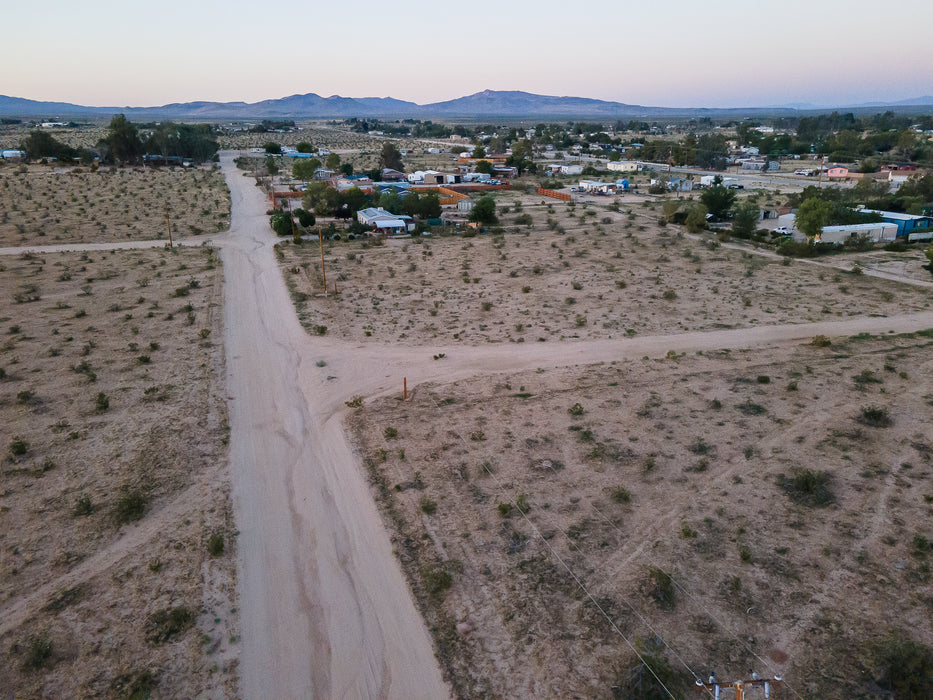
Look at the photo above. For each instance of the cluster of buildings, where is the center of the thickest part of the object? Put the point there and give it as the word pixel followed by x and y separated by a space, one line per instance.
pixel 893 226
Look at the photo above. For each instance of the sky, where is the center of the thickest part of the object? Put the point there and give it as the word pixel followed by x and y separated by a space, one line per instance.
pixel 669 53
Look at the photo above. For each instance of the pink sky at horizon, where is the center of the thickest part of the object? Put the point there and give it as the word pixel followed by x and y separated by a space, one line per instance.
pixel 725 53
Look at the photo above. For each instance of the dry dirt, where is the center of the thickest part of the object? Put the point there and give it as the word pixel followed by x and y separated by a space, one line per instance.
pixel 549 496
pixel 113 434
pixel 42 205
pixel 561 278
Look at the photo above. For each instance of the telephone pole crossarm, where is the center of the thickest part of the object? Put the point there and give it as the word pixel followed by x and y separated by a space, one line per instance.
pixel 740 687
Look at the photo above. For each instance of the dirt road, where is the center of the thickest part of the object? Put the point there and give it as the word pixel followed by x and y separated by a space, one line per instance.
pixel 324 609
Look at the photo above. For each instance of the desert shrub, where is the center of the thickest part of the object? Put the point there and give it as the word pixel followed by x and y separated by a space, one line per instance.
pixel 576 410
pixel 319 330
pixel 763 379
pixel 18 447
pixel 477 436
pixel 390 433
pixel 355 402
pixel 427 506
pixel 820 341
pixel 903 667
pixel 101 402
pixel 135 686
pixel 83 506
pixel 38 652
pixel 215 544
pixel 661 588
pixel 130 506
pixel 165 624
pixel 505 510
pixel 807 487
pixel 651 677
pixel 669 295
pixel 436 581
pixel 620 494
pixel 875 416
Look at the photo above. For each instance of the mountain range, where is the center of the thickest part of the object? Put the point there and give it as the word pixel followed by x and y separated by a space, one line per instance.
pixel 488 103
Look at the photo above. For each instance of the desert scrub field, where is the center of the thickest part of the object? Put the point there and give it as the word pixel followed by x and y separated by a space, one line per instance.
pixel 116 540
pixel 771 502
pixel 41 205
pixel 572 272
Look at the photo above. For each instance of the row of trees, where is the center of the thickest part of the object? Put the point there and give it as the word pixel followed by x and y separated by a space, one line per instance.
pixel 123 144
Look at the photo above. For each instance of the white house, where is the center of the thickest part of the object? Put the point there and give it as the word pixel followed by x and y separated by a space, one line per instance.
pixel 878 232
pixel 11 154
pixel 624 166
pixel 565 169
pixel 381 220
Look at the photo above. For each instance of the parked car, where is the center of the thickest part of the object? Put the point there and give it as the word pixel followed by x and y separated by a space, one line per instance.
pixel 782 231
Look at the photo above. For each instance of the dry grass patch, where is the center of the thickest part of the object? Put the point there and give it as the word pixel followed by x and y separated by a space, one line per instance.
pixel 113 475
pixel 729 514
pixel 42 205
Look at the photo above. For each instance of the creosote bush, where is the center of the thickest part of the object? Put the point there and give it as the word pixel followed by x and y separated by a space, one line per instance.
pixel 807 487
pixel 875 416
pixel 215 544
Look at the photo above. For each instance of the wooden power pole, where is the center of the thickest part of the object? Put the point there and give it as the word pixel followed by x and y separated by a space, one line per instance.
pixel 168 222
pixel 740 687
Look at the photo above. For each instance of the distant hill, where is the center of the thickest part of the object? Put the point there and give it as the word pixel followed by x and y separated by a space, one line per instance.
pixel 488 103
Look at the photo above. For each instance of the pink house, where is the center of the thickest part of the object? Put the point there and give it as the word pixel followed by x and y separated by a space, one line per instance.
pixel 837 171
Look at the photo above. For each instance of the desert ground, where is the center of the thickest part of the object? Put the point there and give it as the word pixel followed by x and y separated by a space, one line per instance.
pixel 118 542
pixel 573 272
pixel 719 466
pixel 535 512
pixel 45 205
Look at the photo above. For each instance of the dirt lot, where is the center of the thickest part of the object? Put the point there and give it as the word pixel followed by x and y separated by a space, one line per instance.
pixel 542 516
pixel 113 432
pixel 575 272
pixel 41 205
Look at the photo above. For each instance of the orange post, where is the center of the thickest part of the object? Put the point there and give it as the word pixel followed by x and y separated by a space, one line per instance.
pixel 405 388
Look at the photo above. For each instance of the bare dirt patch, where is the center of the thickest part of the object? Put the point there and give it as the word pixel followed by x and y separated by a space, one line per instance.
pixel 41 205
pixel 573 272
pixel 714 507
pixel 115 525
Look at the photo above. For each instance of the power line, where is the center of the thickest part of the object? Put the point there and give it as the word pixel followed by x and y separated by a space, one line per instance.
pixel 576 579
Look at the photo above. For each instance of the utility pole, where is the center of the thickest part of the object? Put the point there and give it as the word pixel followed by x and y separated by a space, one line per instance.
pixel 740 687
pixel 320 237
pixel 168 222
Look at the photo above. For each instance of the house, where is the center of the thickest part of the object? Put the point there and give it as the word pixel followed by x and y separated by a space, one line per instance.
pixel 752 163
pixel 433 177
pixel 348 183
pixel 906 223
pixel 465 206
pixel 390 175
pixel 565 169
pixel 597 187
pixel 504 172
pixel 323 174
pixel 679 184
pixel 11 154
pixel 875 232
pixel 624 166
pixel 382 221
pixel 837 172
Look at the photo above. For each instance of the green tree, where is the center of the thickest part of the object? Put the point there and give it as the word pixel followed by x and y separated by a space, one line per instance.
pixel 304 147
pixel 41 144
pixel 390 201
pixel 718 200
pixel 271 166
pixel 305 218
pixel 332 162
pixel 390 157
pixel 430 206
pixel 746 218
pixel 929 253
pixel 484 166
pixel 281 223
pixel 521 158
pixel 614 156
pixel 320 198
pixel 812 215
pixel 484 211
pixel 352 200
pixel 479 152
pixel 304 169
pixel 122 141
pixel 272 148
pixel 696 218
